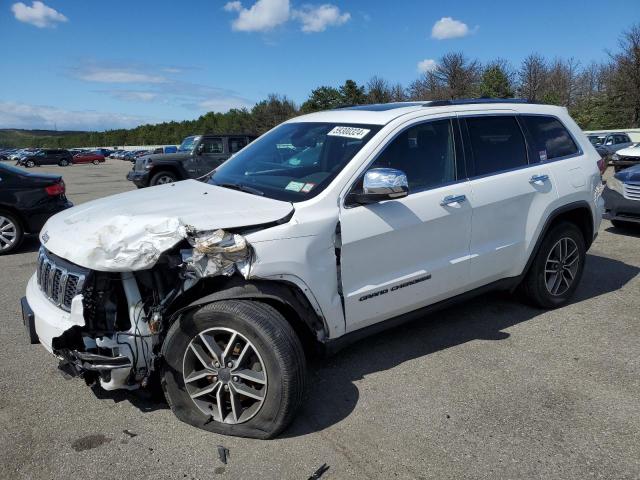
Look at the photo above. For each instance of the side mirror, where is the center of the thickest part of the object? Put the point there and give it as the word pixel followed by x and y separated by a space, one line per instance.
pixel 383 184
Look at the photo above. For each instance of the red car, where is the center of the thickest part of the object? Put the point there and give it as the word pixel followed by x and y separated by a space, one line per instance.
pixel 88 157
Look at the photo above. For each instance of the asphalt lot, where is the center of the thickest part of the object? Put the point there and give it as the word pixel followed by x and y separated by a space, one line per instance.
pixel 488 389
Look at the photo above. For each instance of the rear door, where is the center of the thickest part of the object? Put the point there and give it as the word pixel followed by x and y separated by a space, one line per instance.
pixel 510 194
pixel 399 255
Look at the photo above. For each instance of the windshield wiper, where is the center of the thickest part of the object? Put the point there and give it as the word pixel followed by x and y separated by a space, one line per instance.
pixel 242 188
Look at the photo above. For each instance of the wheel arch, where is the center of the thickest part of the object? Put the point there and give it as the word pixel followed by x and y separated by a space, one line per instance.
pixel 578 213
pixel 177 171
pixel 287 298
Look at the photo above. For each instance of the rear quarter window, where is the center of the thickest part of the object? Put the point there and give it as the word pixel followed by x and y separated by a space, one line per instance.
pixel 550 138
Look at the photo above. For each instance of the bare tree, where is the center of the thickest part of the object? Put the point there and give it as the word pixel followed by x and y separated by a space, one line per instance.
pixel 457 75
pixel 378 90
pixel 532 77
pixel 626 79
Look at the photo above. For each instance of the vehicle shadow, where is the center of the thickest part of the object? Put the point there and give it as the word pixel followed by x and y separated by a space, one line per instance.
pixel 146 400
pixel 30 243
pixel 633 230
pixel 332 394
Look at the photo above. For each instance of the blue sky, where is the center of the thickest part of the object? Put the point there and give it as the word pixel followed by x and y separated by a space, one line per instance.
pixel 84 64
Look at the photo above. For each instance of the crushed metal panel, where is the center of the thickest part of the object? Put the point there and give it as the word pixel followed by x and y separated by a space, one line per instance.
pixel 217 253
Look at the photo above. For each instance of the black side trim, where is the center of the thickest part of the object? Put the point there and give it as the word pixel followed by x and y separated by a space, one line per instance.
pixel 333 346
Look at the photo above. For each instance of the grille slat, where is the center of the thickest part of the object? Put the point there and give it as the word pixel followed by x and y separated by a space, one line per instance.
pixel 631 191
pixel 58 284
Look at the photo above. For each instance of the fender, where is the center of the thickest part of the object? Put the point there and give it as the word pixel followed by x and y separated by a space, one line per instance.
pixel 564 211
pixel 172 165
pixel 280 293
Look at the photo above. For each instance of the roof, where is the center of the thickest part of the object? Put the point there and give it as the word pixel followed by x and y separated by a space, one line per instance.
pixel 383 113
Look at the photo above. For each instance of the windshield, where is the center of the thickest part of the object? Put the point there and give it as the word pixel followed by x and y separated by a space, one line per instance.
pixel 295 161
pixel 188 144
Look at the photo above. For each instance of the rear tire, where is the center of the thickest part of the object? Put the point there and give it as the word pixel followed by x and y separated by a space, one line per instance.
pixel 96 162
pixel 64 162
pixel 162 178
pixel 11 233
pixel 275 358
pixel 30 164
pixel 557 267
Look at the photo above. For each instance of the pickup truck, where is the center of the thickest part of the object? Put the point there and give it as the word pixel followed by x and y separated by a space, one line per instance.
pixel 196 156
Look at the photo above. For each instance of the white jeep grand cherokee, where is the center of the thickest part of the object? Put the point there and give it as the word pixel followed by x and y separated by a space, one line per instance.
pixel 330 226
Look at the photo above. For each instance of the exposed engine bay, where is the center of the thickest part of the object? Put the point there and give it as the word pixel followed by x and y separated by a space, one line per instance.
pixel 120 318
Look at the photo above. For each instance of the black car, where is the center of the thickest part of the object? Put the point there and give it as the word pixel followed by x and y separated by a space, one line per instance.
pixel 27 200
pixel 622 198
pixel 196 156
pixel 47 157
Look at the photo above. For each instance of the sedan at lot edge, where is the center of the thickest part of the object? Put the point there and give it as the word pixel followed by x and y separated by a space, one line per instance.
pixel 88 157
pixel 27 200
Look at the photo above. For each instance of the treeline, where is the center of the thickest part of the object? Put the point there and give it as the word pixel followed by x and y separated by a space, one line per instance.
pixel 602 95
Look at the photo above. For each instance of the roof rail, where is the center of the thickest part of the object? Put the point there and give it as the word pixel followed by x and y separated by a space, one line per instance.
pixel 471 101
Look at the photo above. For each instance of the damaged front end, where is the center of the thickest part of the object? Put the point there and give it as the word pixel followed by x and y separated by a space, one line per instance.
pixel 118 320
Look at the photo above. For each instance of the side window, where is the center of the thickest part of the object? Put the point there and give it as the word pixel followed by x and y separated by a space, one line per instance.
pixel 236 144
pixel 425 152
pixel 212 145
pixel 497 144
pixel 550 138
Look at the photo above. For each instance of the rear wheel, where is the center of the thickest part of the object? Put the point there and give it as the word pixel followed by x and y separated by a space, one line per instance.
pixel 234 367
pixel 162 178
pixel 96 162
pixel 557 267
pixel 64 162
pixel 30 164
pixel 11 233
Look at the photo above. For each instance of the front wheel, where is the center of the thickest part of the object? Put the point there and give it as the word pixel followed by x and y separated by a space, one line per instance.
pixel 96 162
pixel 234 367
pixel 162 178
pixel 557 267
pixel 64 162
pixel 30 164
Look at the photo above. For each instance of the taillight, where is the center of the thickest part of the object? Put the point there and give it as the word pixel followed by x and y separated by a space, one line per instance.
pixel 602 166
pixel 55 189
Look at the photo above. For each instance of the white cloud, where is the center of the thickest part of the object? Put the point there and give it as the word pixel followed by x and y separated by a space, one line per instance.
pixel 22 115
pixel 132 95
pixel 114 75
pixel 447 27
pixel 317 19
pixel 262 16
pixel 427 65
pixel 37 14
pixel 233 6
pixel 223 104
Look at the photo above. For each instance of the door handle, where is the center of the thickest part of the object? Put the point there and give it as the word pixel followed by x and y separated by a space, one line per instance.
pixel 538 178
pixel 451 199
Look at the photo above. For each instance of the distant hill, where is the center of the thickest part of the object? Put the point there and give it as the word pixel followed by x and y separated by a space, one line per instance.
pixel 16 137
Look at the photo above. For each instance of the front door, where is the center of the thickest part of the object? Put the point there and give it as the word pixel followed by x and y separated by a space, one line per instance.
pixel 399 255
pixel 211 155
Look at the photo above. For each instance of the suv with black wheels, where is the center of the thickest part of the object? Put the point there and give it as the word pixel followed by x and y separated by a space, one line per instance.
pixel 331 226
pixel 196 156
pixel 47 157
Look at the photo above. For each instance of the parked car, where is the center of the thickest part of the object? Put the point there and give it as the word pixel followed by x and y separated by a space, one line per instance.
pixel 399 209
pixel 196 156
pixel 89 157
pixel 626 157
pixel 611 143
pixel 47 157
pixel 622 198
pixel 105 152
pixel 27 200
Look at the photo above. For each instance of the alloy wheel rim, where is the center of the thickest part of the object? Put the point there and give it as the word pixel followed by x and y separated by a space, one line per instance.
pixel 561 266
pixel 224 375
pixel 164 179
pixel 8 233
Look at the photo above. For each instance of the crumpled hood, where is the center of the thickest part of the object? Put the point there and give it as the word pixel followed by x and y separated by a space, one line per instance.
pixel 129 231
pixel 632 151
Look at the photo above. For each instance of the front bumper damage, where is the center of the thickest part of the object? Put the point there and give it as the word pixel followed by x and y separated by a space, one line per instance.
pixel 113 329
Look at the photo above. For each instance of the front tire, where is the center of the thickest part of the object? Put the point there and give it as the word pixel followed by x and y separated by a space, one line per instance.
pixel 30 164
pixel 557 267
pixel 63 163
pixel 162 178
pixel 234 367
pixel 96 162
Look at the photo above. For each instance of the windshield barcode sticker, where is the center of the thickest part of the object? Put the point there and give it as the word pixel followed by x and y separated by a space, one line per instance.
pixel 349 132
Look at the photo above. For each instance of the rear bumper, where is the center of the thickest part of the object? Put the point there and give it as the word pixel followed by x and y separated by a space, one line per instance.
pixel 140 179
pixel 37 217
pixel 619 208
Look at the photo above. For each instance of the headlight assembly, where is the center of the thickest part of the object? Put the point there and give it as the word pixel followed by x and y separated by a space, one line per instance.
pixel 615 156
pixel 614 184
